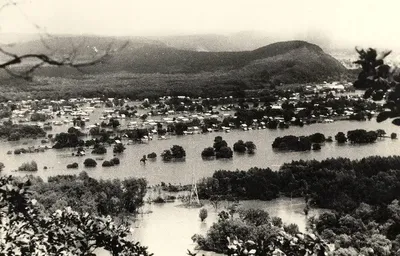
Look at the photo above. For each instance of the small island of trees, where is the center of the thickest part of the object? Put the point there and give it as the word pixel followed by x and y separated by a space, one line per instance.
pixel 242 147
pixel 176 152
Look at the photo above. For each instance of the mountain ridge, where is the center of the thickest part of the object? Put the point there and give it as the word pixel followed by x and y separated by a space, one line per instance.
pixel 152 68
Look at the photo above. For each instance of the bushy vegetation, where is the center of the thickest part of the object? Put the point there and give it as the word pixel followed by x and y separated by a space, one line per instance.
pixel 68 139
pixel 85 194
pixel 115 161
pixel 359 136
pixel 118 148
pixel 224 152
pixel 99 149
pixel 203 214
pixel 176 152
pixel 112 162
pixel 305 143
pixel 28 167
pixel 14 132
pixel 221 148
pixel 317 138
pixel 72 166
pixel 339 184
pixel 253 232
pixel 208 152
pixel 291 142
pixel 152 155
pixel 340 137
pixel 27 229
pixel 242 147
pixel 362 136
pixel 316 146
pixel 89 162
pixel 362 194
pixel 107 163
pixel 299 143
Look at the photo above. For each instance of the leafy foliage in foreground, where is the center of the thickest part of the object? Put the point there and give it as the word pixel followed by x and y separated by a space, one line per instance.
pixel 85 194
pixel 254 233
pixel 379 79
pixel 25 230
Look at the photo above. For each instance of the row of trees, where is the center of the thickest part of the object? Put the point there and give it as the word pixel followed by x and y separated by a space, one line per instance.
pixel 14 132
pixel 304 143
pixel 298 143
pixel 361 136
pixel 220 148
pixel 337 183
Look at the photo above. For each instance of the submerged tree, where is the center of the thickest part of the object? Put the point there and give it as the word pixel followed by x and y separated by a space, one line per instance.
pixel 203 214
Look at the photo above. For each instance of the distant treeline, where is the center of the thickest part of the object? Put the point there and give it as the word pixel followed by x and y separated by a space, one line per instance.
pixel 337 183
pixel 14 132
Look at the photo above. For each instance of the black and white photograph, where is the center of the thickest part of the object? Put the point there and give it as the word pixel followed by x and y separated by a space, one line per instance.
pixel 199 128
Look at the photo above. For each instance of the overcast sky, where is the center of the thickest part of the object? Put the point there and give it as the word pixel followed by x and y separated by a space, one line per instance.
pixel 344 22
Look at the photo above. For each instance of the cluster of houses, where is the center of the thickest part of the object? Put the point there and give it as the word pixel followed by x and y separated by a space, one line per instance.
pixel 145 114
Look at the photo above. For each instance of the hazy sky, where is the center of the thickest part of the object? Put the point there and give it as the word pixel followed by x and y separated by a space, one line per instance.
pixel 350 22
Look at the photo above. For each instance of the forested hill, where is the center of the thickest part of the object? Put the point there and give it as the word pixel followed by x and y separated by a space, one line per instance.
pixel 287 62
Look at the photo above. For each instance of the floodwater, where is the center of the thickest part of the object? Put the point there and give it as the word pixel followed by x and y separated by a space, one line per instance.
pixel 170 226
pixel 156 171
pixel 168 229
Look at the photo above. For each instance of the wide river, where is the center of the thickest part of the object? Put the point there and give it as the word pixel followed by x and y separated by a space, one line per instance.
pixel 168 229
pixel 182 172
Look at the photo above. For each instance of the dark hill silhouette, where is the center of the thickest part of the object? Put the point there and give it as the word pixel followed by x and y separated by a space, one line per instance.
pixel 149 68
pixel 287 62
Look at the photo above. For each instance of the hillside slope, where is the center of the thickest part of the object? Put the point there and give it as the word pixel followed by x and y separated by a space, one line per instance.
pixel 287 62
pixel 147 69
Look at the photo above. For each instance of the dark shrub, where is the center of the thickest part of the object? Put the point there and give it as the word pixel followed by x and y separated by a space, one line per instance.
pixel 89 162
pixel 72 166
pixel 99 149
pixel 152 155
pixel 115 161
pixel 208 152
pixel 316 146
pixel 239 147
pixel 28 167
pixel 119 148
pixel 107 163
pixel 224 152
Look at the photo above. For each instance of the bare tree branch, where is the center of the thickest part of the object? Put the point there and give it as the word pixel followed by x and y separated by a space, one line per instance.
pixel 44 59
pixel 7 4
pixel 12 64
